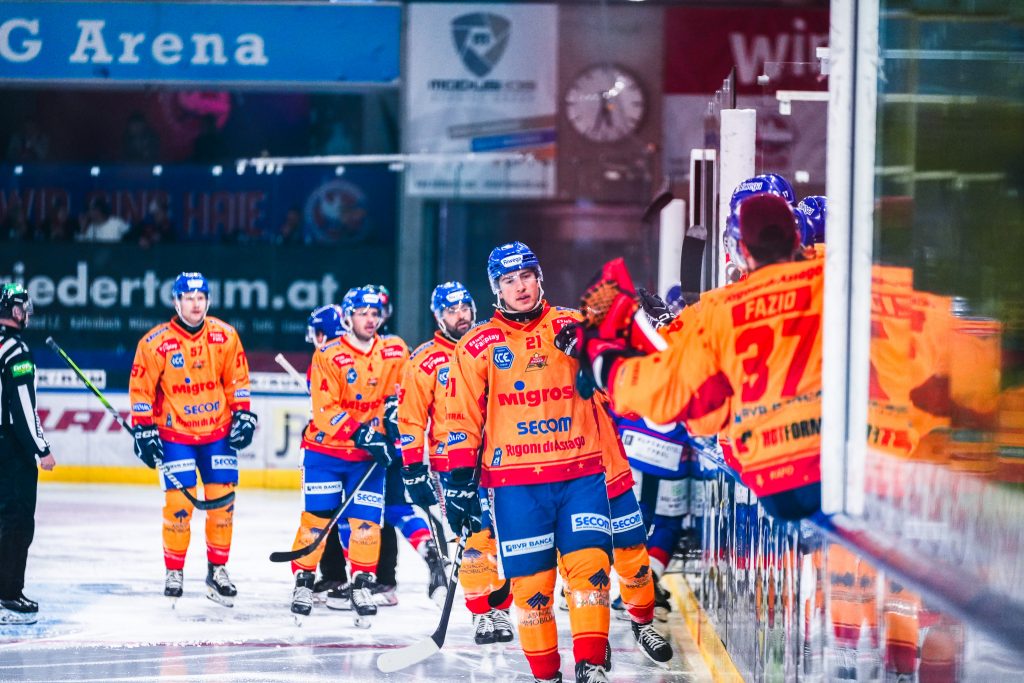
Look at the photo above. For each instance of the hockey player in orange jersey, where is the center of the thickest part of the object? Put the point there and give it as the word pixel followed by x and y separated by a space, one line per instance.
pixel 514 413
pixel 353 387
pixel 189 390
pixel 752 360
pixel 422 420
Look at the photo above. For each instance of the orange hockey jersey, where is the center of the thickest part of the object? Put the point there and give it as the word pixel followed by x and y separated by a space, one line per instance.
pixel 189 384
pixel 753 347
pixel 347 388
pixel 512 396
pixel 421 412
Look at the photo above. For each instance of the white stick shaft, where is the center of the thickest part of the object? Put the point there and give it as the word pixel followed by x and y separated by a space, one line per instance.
pixel 290 369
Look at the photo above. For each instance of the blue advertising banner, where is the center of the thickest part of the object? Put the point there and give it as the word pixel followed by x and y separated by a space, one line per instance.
pixel 339 44
pixel 206 203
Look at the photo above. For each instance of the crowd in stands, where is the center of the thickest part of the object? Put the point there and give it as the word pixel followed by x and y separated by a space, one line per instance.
pixel 99 224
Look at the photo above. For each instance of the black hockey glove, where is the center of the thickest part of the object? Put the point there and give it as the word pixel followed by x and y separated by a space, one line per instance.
pixel 655 308
pixel 375 443
pixel 243 427
pixel 391 418
pixel 565 340
pixel 597 357
pixel 462 501
pixel 148 446
pixel 419 486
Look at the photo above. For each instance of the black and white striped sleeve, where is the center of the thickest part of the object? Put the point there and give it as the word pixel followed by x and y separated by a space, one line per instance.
pixel 19 383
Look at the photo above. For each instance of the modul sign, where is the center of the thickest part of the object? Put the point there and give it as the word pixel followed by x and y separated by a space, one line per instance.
pixel 189 42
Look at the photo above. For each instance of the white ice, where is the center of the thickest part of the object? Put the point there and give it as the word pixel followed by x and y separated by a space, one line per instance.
pixel 96 569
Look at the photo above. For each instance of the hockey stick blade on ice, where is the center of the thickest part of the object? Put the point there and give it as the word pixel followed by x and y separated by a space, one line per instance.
pixel 404 657
pixel 212 504
pixel 289 555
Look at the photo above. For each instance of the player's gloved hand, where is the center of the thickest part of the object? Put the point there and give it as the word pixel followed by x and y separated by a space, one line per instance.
pixel 419 486
pixel 148 446
pixel 375 443
pixel 391 418
pixel 566 340
pixel 655 308
pixel 462 501
pixel 243 427
pixel 598 357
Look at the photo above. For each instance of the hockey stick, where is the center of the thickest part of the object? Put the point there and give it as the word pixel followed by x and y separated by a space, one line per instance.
pixel 402 658
pixel 289 555
pixel 201 504
pixel 290 369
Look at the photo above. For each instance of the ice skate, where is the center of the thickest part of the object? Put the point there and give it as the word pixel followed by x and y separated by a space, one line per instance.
pixel 322 587
pixel 590 673
pixel 438 588
pixel 619 609
pixel 385 595
pixel 362 599
pixel 302 596
pixel 653 644
pixel 218 585
pixel 21 610
pixel 340 598
pixel 556 679
pixel 484 629
pixel 503 632
pixel 173 583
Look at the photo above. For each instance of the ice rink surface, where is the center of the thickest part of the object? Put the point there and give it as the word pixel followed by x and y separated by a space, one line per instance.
pixel 96 569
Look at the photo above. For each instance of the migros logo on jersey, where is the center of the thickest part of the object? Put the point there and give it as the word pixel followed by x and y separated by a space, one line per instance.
pixel 192 388
pixel 361 406
pixel 534 397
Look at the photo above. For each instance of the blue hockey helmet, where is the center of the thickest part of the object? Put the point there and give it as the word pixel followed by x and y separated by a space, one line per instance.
pixel 359 298
pixel 326 320
pixel 385 299
pixel 510 258
pixel 770 183
pixel 674 298
pixel 812 212
pixel 451 293
pixel 190 282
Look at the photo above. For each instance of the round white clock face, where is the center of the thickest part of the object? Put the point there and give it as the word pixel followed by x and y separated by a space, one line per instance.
pixel 605 103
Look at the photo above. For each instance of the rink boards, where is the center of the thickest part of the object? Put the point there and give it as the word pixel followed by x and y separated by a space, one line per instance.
pixel 90 446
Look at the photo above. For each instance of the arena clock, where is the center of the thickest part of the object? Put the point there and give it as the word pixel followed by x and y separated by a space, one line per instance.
pixel 605 103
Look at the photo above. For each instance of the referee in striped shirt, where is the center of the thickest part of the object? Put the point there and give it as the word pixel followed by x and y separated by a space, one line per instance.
pixel 21 442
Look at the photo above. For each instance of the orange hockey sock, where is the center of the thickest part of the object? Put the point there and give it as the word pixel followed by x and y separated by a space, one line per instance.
pixel 219 524
pixel 310 526
pixel 363 545
pixel 479 572
pixel 534 598
pixel 634 569
pixel 587 584
pixel 177 527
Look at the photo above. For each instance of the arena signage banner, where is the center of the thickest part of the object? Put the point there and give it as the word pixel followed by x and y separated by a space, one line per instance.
pixel 481 78
pixel 215 204
pixel 702 44
pixel 105 297
pixel 82 433
pixel 217 43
